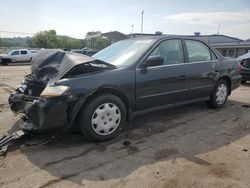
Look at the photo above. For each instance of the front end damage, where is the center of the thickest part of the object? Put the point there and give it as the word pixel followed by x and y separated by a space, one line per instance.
pixel 45 109
pixel 40 113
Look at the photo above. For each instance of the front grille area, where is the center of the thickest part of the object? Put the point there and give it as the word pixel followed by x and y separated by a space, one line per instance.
pixel 35 114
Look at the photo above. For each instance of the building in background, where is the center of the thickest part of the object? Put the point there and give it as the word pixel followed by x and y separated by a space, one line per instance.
pixel 114 36
pixel 226 45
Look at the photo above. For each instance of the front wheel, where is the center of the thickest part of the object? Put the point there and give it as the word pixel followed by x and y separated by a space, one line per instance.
pixel 6 61
pixel 219 95
pixel 102 118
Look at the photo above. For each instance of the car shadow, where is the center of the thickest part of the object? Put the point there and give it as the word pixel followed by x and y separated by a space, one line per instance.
pixel 184 132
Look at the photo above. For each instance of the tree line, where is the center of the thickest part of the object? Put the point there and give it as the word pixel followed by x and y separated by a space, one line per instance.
pixel 50 39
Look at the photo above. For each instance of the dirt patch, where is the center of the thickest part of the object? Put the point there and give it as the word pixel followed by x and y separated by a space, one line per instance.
pixel 220 170
pixel 172 183
pixel 54 181
pixel 164 153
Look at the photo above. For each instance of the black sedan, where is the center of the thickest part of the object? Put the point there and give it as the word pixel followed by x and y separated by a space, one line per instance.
pixel 100 94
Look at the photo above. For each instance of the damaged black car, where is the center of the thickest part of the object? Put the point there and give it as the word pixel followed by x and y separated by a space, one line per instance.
pixel 100 94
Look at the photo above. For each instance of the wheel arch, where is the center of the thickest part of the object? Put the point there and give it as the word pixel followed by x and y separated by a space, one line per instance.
pixel 228 80
pixel 111 90
pixel 103 90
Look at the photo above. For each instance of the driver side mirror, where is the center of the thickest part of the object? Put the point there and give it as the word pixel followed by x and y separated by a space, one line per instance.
pixel 154 61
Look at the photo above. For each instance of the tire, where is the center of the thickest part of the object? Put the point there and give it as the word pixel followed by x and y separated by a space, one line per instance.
pixel 5 62
pixel 102 118
pixel 219 94
pixel 243 81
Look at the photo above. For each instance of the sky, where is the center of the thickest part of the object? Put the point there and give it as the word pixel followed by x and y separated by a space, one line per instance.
pixel 76 17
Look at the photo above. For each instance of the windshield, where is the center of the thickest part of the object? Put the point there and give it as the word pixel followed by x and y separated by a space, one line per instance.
pixel 124 53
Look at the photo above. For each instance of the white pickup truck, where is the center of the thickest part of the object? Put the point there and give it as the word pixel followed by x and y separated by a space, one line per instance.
pixel 16 56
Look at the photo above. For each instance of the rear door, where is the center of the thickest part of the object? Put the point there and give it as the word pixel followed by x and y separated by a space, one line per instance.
pixel 24 56
pixel 204 68
pixel 165 84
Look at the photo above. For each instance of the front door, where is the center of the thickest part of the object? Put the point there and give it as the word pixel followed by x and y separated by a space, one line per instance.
pixel 164 84
pixel 15 55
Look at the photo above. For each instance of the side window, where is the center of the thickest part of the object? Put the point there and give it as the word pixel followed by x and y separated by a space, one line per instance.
pixel 171 51
pixel 213 56
pixel 23 52
pixel 197 51
pixel 15 53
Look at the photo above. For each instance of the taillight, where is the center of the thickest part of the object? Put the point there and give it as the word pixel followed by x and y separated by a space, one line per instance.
pixel 239 68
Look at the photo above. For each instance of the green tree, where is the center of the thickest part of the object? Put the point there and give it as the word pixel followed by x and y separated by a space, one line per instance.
pixel 95 40
pixel 101 43
pixel 91 33
pixel 46 39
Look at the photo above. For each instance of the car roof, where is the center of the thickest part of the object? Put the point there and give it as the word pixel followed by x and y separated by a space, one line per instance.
pixel 19 50
pixel 161 37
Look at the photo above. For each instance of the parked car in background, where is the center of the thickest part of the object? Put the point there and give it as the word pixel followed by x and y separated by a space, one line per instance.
pixel 245 67
pixel 100 93
pixel 18 56
pixel 90 52
pixel 85 51
pixel 77 51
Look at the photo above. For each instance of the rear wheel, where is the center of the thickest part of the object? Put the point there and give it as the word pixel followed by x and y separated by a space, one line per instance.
pixel 103 118
pixel 219 95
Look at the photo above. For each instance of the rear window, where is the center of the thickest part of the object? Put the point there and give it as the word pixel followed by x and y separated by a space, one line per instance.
pixel 197 51
pixel 23 52
pixel 213 56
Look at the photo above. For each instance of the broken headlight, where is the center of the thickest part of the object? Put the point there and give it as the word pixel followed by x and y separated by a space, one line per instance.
pixel 22 87
pixel 54 91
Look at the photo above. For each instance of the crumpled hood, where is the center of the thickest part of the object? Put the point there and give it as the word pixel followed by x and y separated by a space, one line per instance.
pixel 50 65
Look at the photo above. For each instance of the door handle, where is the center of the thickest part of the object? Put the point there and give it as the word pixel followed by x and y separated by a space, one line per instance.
pixel 182 75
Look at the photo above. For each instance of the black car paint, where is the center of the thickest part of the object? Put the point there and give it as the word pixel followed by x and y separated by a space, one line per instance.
pixel 141 89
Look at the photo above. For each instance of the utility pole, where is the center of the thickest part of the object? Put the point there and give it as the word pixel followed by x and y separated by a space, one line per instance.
pixel 218 30
pixel 132 29
pixel 142 21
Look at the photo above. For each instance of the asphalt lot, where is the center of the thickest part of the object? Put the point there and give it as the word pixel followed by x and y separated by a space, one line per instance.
pixel 189 146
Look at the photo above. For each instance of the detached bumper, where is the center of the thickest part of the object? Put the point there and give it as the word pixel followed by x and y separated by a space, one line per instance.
pixel 40 114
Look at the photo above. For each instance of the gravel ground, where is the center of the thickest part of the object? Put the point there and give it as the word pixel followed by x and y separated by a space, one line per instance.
pixel 188 146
